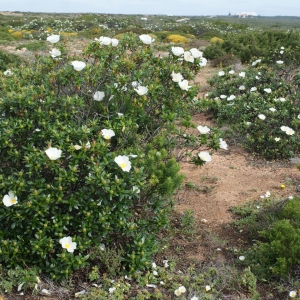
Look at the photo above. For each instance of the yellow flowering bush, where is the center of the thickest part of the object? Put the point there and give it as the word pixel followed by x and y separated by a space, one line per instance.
pixel 17 34
pixel 177 39
pixel 216 40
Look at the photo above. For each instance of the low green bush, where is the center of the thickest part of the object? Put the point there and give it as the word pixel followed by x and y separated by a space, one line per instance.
pixel 277 248
pixel 8 60
pixel 34 46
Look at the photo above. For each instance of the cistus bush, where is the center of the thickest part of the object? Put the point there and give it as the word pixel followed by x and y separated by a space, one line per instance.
pixel 262 104
pixel 86 153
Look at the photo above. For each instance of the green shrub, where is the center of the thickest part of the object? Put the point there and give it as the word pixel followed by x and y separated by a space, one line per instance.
pixel 76 183
pixel 8 60
pixel 34 46
pixel 278 233
pixel 255 44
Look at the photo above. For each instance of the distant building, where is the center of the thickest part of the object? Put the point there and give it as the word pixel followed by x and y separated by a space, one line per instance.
pixel 183 20
pixel 247 14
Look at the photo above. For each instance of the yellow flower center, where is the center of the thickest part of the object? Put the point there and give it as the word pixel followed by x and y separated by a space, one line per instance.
pixel 122 165
pixel 67 246
pixel 107 137
pixel 13 200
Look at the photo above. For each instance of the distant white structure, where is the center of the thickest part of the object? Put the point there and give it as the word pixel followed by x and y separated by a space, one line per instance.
pixel 247 14
pixel 183 20
pixel 145 19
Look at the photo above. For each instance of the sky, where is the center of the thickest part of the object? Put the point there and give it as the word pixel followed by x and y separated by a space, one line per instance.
pixel 164 7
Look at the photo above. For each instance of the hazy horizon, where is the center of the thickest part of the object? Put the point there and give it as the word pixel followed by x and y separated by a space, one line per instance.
pixel 266 8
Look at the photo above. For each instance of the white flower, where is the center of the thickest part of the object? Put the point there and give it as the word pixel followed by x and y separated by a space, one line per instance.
pixel 10 199
pixel 223 144
pixel 242 87
pixel 256 62
pixel 177 292
pixel 105 40
pixel 205 156
pixel 102 247
pixel 182 289
pixel 98 96
pixel 203 129
pixel 277 139
pixel 248 123
pixel 55 52
pixel 282 99
pixel 166 264
pixel 281 52
pixel 194 298
pixel 256 77
pixel 177 51
pixel 155 273
pixel 107 133
pixel 231 97
pixel 292 294
pixel 53 38
pixel 282 48
pixel 279 62
pixel 187 56
pixel 221 73
pixel 77 147
pixel 298 116
pixel 123 162
pixel 135 83
pixel 184 85
pixel 8 72
pixel 111 290
pixel 207 288
pixel 268 90
pixel 231 72
pixel 66 243
pixel 53 153
pixel 141 90
pixel 268 194
pixel 242 258
pixel 176 77
pixel 137 190
pixel 196 53
pixel 261 116
pixel 78 65
pixel 289 131
pixel 253 89
pixel 223 96
pixel 114 42
pixel 242 74
pixel 45 292
pixel 88 145
pixel 291 197
pixel 203 62
pixel 146 39
pixel 272 109
pixel 154 266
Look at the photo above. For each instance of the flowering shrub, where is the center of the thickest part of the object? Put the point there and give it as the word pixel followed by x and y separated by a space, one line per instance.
pixel 177 39
pixel 85 158
pixel 262 104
